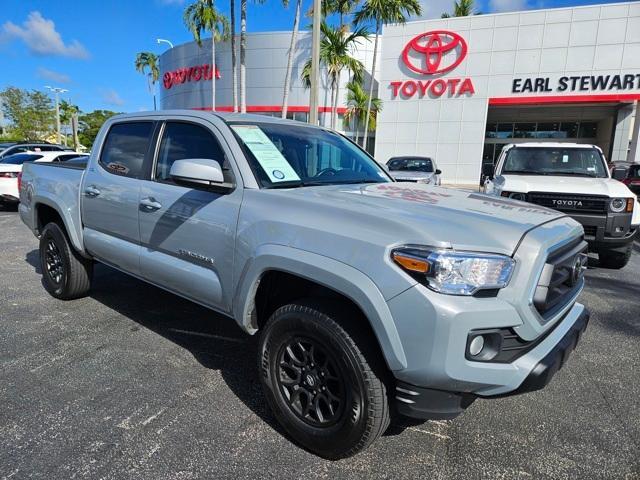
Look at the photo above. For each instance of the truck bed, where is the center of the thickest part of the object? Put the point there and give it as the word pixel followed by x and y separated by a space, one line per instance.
pixel 56 185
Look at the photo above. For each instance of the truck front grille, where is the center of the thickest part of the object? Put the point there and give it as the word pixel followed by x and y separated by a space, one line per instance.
pixel 561 279
pixel 570 203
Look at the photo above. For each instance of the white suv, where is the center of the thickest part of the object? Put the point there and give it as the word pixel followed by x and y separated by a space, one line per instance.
pixel 571 178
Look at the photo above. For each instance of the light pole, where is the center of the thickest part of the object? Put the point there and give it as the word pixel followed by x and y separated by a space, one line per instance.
pixel 162 40
pixel 315 62
pixel 57 91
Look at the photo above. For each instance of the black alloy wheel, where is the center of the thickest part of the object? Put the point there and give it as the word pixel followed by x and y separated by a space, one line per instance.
pixel 312 385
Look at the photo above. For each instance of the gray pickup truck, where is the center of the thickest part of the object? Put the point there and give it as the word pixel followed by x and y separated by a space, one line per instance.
pixel 371 297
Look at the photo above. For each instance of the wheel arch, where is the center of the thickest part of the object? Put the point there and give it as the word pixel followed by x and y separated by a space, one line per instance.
pixel 46 211
pixel 326 275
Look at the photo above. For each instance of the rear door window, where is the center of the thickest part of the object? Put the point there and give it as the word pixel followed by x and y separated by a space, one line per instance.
pixel 125 148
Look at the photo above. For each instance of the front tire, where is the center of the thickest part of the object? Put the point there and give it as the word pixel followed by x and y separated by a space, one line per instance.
pixel 324 386
pixel 65 274
pixel 615 259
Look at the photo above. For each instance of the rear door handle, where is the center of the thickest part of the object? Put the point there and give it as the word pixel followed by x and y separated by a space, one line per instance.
pixel 91 191
pixel 150 204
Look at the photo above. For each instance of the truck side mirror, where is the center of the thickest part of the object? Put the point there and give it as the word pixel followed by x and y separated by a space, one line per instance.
pixel 487 170
pixel 438 171
pixel 619 173
pixel 201 171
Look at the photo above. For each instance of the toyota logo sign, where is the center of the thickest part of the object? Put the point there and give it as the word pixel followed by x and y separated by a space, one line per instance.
pixel 437 51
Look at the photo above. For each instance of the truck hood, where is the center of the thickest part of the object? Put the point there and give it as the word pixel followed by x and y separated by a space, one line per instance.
pixel 394 213
pixel 556 184
pixel 409 175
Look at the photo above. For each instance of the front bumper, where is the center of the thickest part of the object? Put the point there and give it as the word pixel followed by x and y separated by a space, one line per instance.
pixel 601 230
pixel 420 402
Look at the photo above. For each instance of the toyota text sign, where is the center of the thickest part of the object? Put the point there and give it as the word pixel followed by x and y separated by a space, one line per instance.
pixel 428 56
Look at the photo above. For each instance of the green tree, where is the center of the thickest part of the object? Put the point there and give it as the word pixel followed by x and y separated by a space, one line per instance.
pixel 202 16
pixel 335 56
pixel 89 124
pixel 67 111
pixel 381 12
pixel 30 113
pixel 462 8
pixel 149 61
pixel 357 101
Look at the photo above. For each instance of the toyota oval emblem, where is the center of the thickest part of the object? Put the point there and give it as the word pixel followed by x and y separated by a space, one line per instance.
pixel 576 271
pixel 437 51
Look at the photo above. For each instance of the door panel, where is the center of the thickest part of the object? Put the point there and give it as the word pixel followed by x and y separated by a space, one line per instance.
pixel 110 196
pixel 188 234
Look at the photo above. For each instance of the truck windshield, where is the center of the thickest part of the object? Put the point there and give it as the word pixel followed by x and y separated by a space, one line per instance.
pixel 284 156
pixel 585 162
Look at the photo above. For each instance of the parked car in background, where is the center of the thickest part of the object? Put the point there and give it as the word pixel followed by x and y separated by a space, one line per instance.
pixel 11 167
pixel 11 148
pixel 414 169
pixel 369 296
pixel 632 178
pixel 572 178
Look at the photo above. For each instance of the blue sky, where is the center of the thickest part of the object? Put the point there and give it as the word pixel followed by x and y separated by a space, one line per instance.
pixel 89 47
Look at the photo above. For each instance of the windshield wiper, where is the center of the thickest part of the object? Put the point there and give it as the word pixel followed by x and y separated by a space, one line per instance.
pixel 315 183
pixel 578 174
pixel 525 172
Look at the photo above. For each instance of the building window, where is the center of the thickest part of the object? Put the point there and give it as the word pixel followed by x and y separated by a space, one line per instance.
pixel 491 130
pixel 588 130
pixel 505 130
pixel 542 130
pixel 548 130
pixel 525 130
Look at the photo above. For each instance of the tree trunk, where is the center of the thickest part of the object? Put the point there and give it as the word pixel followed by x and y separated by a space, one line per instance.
pixel 243 47
pixel 234 60
pixel 334 109
pixel 213 75
pixel 373 73
pixel 356 129
pixel 287 77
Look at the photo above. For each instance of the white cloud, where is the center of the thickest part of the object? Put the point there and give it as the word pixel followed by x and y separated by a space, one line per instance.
pixel 435 8
pixel 53 76
pixel 508 5
pixel 41 37
pixel 111 97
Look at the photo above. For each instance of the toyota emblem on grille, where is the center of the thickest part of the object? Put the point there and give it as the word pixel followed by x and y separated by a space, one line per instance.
pixel 576 271
pixel 437 51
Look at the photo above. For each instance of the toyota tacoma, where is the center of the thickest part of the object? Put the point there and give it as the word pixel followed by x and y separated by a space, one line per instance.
pixel 370 297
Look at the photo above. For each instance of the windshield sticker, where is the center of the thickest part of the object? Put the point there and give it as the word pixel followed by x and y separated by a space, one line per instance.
pixel 271 160
pixel 565 158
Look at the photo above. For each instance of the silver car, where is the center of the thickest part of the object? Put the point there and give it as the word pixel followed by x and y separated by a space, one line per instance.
pixel 414 169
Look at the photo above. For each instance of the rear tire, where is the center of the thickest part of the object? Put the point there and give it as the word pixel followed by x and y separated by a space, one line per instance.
pixel 324 385
pixel 615 259
pixel 65 273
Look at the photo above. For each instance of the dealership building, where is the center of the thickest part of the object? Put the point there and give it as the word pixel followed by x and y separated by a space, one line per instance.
pixel 456 89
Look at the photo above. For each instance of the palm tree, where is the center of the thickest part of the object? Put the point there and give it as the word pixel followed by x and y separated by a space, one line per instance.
pixel 234 60
pixel 382 12
pixel 202 16
pixel 294 37
pixel 335 55
pixel 461 8
pixel 67 111
pixel 149 60
pixel 357 101
pixel 243 50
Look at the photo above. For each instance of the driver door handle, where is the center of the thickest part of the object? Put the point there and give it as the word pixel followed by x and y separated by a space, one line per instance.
pixel 150 204
pixel 91 191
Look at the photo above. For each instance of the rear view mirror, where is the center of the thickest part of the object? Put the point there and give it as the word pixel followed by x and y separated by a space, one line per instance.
pixel 202 171
pixel 438 171
pixel 619 173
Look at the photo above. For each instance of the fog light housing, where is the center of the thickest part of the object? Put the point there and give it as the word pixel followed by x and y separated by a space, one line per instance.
pixel 476 345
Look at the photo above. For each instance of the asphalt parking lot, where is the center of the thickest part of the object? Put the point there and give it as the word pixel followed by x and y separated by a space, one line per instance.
pixel 133 382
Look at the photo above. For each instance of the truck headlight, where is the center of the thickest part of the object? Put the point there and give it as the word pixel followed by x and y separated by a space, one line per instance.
pixel 617 205
pixel 455 273
pixel 424 180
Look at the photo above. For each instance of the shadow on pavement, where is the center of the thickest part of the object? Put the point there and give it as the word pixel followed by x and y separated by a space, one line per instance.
pixel 214 340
